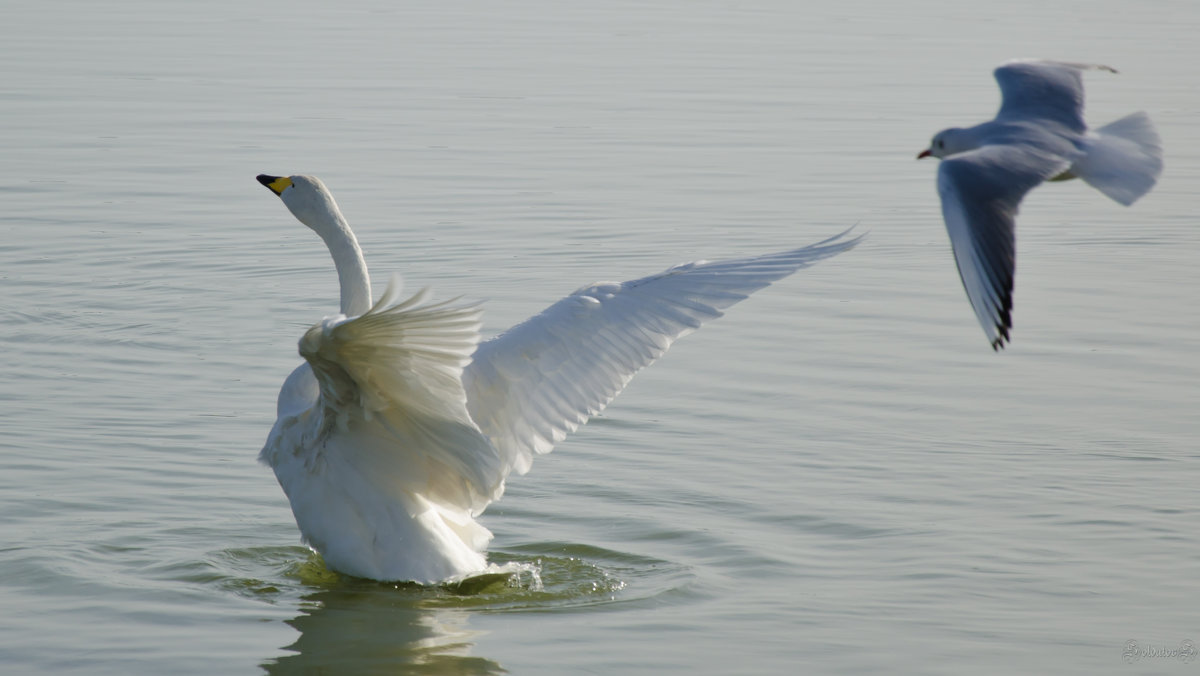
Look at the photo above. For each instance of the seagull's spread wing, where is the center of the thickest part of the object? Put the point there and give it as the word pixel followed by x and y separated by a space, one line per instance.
pixel 531 386
pixel 980 192
pixel 1043 90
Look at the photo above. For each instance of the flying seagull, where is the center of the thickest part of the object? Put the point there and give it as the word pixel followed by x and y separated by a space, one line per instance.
pixel 1038 135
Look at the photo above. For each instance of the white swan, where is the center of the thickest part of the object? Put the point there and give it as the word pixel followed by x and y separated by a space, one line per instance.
pixel 1038 135
pixel 401 427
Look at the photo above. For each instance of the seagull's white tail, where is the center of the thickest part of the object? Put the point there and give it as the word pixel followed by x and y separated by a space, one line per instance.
pixel 1124 158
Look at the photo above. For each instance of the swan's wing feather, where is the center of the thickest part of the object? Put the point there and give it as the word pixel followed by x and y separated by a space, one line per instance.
pixel 981 191
pixel 408 354
pixel 534 384
pixel 392 402
pixel 1039 89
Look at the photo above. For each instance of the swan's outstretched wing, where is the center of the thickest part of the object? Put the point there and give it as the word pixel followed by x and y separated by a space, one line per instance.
pixel 392 407
pixel 1043 90
pixel 980 192
pixel 531 386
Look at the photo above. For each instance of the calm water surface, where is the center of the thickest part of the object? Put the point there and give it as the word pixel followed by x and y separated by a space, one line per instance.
pixel 839 477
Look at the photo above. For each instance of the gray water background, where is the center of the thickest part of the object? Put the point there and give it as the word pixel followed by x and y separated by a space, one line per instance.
pixel 838 477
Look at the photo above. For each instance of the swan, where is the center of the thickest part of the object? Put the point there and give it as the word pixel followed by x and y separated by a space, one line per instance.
pixel 1038 135
pixel 401 426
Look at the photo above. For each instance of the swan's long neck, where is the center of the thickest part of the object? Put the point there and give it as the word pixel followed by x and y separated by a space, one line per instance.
pixel 351 268
pixel 311 204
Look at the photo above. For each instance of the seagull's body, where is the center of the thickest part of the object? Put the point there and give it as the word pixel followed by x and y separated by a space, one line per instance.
pixel 401 426
pixel 1038 135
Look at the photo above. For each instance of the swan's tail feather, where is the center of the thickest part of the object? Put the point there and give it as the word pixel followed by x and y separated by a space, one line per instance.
pixel 1124 158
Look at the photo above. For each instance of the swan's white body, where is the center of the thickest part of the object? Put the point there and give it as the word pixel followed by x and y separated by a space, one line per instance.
pixel 401 426
pixel 1038 135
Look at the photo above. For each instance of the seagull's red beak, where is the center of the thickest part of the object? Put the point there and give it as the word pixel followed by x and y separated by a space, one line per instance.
pixel 924 154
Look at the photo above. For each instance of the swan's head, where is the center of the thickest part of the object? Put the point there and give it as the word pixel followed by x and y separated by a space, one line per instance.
pixel 307 198
pixel 949 142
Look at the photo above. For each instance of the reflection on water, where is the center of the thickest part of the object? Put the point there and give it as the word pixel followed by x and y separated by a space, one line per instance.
pixel 375 628
pixel 355 626
pixel 351 625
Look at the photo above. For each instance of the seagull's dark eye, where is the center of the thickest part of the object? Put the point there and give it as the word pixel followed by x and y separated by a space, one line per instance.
pixel 941 144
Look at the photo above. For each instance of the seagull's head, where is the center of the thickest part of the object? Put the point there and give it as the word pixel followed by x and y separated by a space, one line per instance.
pixel 306 197
pixel 949 142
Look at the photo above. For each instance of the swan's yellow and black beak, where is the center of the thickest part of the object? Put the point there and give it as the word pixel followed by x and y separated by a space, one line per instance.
pixel 277 184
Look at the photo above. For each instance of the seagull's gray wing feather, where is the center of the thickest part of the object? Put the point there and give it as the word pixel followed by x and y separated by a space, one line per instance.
pixel 1043 90
pixel 980 193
